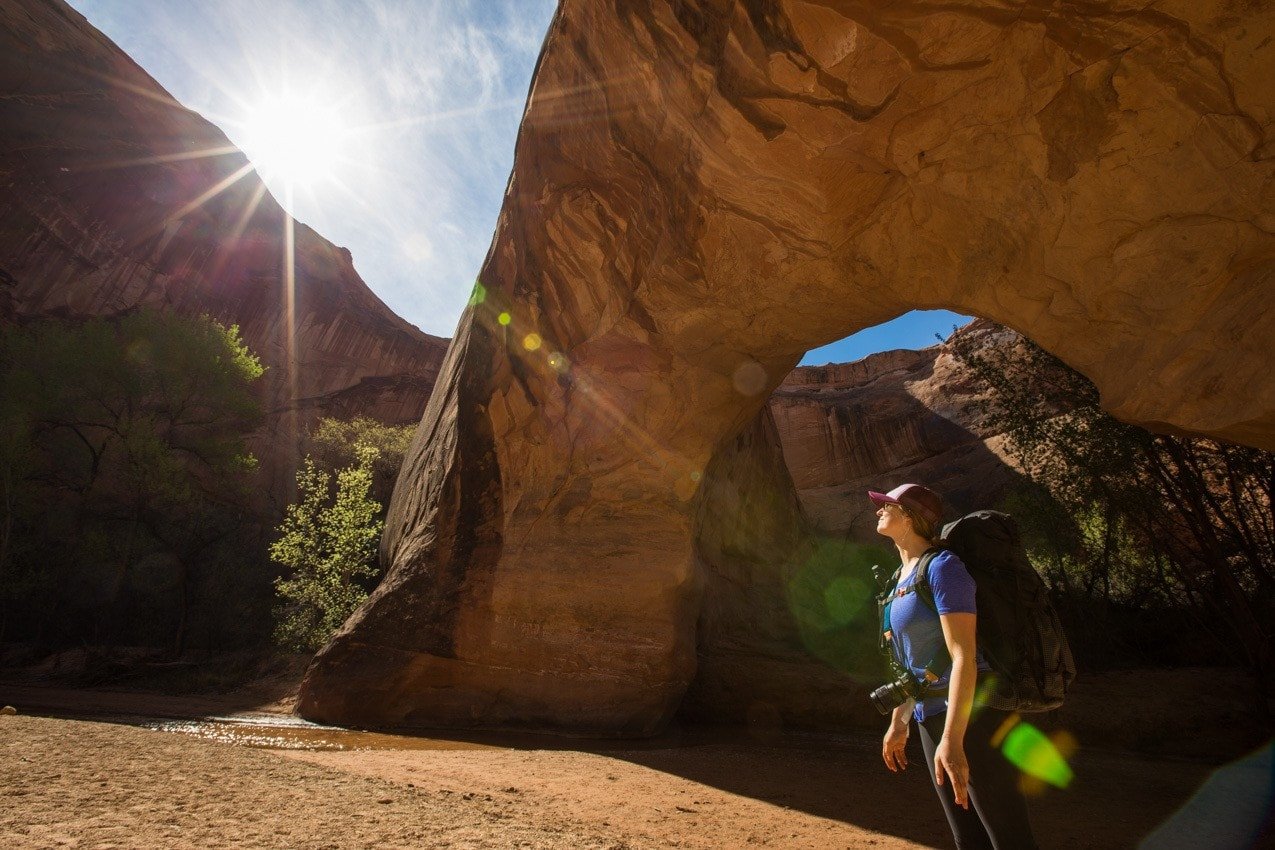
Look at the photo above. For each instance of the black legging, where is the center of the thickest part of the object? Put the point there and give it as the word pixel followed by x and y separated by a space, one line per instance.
pixel 997 816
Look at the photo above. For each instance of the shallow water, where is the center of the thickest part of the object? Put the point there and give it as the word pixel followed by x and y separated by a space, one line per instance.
pixel 279 732
pixel 284 732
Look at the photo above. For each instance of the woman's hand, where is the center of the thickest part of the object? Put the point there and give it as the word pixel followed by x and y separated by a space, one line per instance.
pixel 894 746
pixel 949 758
pixel 960 634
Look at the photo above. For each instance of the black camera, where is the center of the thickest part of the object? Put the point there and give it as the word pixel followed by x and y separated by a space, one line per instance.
pixel 893 694
pixel 882 577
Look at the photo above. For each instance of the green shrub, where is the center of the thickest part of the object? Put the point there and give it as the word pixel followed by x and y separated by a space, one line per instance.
pixel 327 542
pixel 1141 520
pixel 335 444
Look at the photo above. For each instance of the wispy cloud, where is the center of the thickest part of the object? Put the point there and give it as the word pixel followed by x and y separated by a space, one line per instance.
pixel 433 91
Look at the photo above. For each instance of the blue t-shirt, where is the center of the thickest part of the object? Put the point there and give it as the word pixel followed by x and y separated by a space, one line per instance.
pixel 918 634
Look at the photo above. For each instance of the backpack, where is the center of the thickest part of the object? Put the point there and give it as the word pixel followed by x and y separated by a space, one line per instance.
pixel 1019 633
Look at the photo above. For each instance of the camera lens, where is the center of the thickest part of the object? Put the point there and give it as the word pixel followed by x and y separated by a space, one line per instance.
pixel 887 697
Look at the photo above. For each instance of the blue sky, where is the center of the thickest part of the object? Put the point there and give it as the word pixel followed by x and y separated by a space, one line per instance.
pixel 433 91
pixel 911 330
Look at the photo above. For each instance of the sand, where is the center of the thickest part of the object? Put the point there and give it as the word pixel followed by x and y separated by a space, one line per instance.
pixel 67 782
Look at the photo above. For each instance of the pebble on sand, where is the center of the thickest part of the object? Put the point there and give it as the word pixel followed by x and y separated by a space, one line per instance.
pixel 8 709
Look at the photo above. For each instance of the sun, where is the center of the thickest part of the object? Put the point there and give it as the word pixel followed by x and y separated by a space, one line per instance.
pixel 298 139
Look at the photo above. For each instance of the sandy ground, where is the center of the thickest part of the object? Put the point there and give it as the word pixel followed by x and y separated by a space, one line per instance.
pixel 68 782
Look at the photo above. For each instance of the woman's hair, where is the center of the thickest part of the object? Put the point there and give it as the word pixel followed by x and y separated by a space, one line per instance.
pixel 921 525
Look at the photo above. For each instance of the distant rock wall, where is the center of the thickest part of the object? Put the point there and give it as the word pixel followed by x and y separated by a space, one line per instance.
pixel 114 196
pixel 884 420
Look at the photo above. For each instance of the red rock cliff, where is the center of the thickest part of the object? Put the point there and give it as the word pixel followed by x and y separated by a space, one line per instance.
pixel 702 191
pixel 889 418
pixel 114 196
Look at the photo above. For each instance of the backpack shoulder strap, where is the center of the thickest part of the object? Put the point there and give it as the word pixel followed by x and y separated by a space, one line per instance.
pixel 922 583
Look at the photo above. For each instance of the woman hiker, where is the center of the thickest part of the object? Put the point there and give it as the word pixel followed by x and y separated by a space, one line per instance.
pixel 936 648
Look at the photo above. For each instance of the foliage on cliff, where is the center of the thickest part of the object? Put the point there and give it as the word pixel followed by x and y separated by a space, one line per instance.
pixel 1147 520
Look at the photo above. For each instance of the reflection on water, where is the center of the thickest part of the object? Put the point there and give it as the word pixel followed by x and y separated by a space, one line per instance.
pixel 277 732
pixel 283 732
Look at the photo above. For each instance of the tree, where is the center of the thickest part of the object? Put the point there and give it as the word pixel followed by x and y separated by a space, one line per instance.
pixel 123 437
pixel 328 544
pixel 1154 516
pixel 335 445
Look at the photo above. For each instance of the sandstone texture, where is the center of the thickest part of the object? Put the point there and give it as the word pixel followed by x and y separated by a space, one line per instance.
pixel 114 196
pixel 786 631
pixel 887 419
pixel 703 191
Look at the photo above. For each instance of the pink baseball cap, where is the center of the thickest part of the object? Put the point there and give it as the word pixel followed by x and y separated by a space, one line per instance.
pixel 922 501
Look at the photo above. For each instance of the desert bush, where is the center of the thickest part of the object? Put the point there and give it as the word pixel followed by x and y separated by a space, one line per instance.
pixel 327 544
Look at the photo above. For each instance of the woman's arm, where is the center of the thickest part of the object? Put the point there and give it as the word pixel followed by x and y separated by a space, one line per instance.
pixel 894 745
pixel 959 633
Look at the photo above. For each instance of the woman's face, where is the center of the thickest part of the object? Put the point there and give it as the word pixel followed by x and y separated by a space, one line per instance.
pixel 891 521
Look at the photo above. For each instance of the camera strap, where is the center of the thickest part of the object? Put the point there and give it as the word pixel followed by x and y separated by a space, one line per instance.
pixel 920 585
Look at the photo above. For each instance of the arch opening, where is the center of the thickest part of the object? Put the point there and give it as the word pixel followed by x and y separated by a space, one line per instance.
pixel 785 538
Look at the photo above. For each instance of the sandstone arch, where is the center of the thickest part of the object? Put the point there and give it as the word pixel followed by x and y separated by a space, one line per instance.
pixel 705 190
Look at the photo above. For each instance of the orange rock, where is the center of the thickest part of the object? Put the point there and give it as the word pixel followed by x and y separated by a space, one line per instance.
pixel 889 418
pixel 701 196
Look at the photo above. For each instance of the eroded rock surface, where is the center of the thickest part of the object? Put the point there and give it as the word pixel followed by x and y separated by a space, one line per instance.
pixel 889 418
pixel 702 192
pixel 112 195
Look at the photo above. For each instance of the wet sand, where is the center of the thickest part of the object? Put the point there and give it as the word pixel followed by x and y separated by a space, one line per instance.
pixel 67 782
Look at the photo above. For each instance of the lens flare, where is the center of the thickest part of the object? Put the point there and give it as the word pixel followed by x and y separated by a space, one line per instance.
pixel 479 295
pixel 844 598
pixel 504 319
pixel 297 137
pixel 749 378
pixel 1232 809
pixel 1032 752
pixel 831 599
pixel 531 342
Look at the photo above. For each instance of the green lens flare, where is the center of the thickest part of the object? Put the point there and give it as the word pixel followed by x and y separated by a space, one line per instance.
pixel 844 598
pixel 479 294
pixel 830 598
pixel 1034 754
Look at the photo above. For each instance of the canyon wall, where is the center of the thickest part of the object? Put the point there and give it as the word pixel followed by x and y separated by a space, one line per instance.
pixel 113 196
pixel 704 191
pixel 887 419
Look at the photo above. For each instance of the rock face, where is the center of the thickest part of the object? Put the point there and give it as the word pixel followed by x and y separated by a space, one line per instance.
pixel 702 192
pixel 112 195
pixel 889 418
pixel 769 652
